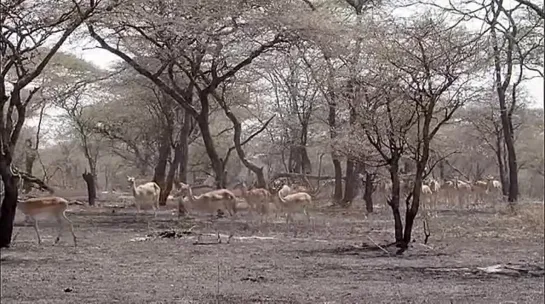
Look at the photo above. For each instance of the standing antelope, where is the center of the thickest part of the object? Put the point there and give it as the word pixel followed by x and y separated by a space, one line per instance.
pixel 51 206
pixel 144 194
pixel 212 200
pixel 294 201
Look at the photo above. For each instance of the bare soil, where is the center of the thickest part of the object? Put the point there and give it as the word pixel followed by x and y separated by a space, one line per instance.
pixel 335 259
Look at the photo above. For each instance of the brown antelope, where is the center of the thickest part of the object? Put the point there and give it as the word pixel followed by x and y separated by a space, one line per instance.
pixel 51 206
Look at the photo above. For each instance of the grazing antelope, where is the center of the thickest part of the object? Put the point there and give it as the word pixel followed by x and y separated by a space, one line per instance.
pixel 52 206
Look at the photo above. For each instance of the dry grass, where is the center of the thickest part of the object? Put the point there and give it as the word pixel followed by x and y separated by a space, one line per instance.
pixel 335 261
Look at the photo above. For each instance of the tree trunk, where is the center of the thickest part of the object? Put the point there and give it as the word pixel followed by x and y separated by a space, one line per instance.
pixel 421 163
pixel 332 122
pixel 351 187
pixel 368 194
pixel 513 168
pixel 294 160
pixel 442 170
pixel 501 89
pixel 217 163
pixel 306 165
pixel 184 146
pixel 170 177
pixel 161 167
pixel 510 147
pixel 394 200
pixel 9 204
pixel 338 195
pixel 501 164
pixel 90 180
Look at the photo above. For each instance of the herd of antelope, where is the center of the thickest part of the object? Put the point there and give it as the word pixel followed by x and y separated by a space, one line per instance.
pixel 450 191
pixel 259 200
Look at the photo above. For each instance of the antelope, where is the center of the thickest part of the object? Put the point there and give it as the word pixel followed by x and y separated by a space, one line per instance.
pixel 51 206
pixel 481 189
pixel 294 201
pixel 216 198
pixel 426 190
pixel 260 200
pixel 144 194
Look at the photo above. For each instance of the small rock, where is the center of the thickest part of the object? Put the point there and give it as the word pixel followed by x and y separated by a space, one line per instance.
pixel 68 289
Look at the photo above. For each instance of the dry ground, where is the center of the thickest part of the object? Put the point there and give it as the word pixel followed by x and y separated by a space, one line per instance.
pixel 336 261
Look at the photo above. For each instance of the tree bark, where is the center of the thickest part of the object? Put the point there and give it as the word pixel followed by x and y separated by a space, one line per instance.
pixel 161 167
pixel 9 204
pixel 501 164
pixel 184 148
pixel 501 89
pixel 413 204
pixel 306 165
pixel 338 194
pixel 368 194
pixel 332 122
pixel 217 163
pixel 90 179
pixel 393 202
pixel 171 175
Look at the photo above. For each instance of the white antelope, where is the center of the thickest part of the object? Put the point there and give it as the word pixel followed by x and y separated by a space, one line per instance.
pixel 145 194
pixel 51 206
pixel 290 202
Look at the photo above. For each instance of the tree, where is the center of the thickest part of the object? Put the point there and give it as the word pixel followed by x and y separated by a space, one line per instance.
pixel 26 28
pixel 425 72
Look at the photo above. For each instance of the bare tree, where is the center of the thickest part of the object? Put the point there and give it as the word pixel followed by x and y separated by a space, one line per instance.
pixel 429 69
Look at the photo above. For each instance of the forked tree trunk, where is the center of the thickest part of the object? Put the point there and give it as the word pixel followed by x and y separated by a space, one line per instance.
pixel 258 171
pixel 90 180
pixel 412 208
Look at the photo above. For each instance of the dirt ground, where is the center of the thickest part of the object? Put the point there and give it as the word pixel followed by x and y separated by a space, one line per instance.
pixel 335 259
